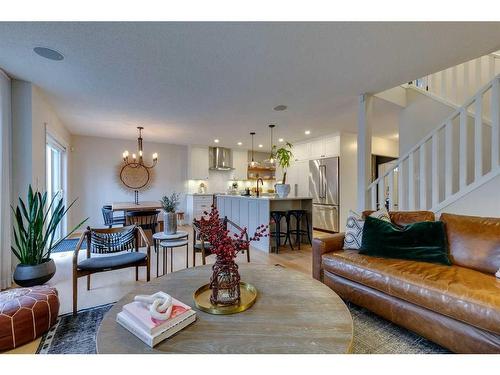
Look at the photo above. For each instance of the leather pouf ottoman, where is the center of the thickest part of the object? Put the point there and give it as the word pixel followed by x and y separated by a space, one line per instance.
pixel 25 314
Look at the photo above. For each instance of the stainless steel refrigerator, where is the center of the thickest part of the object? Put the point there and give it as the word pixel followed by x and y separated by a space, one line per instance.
pixel 324 189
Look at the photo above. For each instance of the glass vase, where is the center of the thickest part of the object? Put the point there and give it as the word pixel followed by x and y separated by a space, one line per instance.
pixel 225 283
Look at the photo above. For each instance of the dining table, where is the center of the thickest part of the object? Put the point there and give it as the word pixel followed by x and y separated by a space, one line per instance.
pixel 131 206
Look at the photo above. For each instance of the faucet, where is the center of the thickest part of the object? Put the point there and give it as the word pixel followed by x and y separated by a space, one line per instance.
pixel 262 182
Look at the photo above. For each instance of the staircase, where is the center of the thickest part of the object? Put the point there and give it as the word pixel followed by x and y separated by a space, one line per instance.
pixel 460 154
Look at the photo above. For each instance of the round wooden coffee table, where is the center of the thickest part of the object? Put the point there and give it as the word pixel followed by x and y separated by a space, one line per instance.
pixel 293 314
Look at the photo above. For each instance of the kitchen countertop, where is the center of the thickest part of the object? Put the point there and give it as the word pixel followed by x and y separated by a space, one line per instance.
pixel 266 197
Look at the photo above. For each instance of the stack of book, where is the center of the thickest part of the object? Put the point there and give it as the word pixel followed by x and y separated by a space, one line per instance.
pixel 136 318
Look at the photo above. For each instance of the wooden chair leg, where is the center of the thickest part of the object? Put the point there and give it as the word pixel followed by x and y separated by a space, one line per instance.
pixel 88 282
pixel 203 261
pixel 248 255
pixel 148 270
pixel 187 256
pixel 75 293
pixel 136 273
pixel 194 256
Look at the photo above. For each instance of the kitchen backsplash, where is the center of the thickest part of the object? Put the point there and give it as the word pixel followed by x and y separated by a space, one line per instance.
pixel 219 182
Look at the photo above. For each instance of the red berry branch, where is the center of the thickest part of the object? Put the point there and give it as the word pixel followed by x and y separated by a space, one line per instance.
pixel 224 244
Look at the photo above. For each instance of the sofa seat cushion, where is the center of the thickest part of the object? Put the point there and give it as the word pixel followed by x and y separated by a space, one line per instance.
pixel 111 261
pixel 457 292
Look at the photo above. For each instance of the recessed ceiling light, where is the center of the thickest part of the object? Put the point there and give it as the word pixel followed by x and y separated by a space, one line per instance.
pixel 280 140
pixel 280 107
pixel 216 140
pixel 261 146
pixel 307 132
pixel 239 143
pixel 48 53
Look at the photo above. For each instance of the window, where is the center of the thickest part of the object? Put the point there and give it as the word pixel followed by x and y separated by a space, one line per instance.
pixel 55 177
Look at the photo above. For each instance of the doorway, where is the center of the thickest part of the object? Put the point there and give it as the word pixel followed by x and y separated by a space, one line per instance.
pixel 56 178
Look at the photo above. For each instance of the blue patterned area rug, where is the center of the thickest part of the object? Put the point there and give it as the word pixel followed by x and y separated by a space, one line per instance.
pixel 68 245
pixel 372 334
pixel 74 334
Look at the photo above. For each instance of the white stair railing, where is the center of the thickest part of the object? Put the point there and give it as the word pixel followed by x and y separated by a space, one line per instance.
pixel 458 156
pixel 454 85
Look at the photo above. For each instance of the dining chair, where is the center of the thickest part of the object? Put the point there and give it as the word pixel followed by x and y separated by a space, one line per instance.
pixel 110 219
pixel 104 244
pixel 147 220
pixel 201 244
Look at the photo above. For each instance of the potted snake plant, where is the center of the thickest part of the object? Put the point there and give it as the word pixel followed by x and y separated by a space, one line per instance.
pixel 35 225
pixel 170 205
pixel 283 157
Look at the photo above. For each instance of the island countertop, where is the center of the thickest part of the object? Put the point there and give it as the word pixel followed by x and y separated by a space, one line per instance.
pixel 262 197
pixel 251 211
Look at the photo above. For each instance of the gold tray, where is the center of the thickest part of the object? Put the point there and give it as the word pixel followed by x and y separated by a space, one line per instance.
pixel 248 295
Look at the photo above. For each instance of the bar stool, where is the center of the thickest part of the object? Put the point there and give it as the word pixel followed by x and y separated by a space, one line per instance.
pixel 298 232
pixel 278 234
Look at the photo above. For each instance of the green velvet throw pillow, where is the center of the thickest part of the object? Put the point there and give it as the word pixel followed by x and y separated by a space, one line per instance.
pixel 423 241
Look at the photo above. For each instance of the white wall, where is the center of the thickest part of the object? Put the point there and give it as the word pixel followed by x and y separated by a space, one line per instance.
pixel 421 116
pixel 32 114
pixel 22 129
pixel 385 147
pixel 95 182
pixel 484 201
pixel 348 176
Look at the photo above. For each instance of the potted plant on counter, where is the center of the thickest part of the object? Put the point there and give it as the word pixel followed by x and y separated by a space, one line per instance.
pixel 170 205
pixel 35 226
pixel 283 157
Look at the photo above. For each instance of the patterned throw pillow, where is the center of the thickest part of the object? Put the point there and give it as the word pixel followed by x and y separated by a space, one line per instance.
pixel 354 228
pixel 353 231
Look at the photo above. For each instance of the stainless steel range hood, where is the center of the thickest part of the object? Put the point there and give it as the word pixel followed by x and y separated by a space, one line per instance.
pixel 221 159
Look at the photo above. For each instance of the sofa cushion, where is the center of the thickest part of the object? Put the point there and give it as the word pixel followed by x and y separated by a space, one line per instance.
pixel 423 241
pixel 406 217
pixel 354 227
pixel 458 292
pixel 111 261
pixel 474 241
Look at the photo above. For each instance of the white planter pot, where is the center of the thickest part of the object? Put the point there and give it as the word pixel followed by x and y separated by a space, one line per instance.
pixel 282 190
pixel 169 222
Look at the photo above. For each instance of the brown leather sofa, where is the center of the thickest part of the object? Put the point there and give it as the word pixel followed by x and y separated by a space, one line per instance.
pixel 457 307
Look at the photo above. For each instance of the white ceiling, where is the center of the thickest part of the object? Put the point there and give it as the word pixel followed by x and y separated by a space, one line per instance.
pixel 193 82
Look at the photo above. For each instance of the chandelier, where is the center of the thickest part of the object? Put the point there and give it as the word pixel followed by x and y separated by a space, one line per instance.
pixel 134 163
pixel 134 172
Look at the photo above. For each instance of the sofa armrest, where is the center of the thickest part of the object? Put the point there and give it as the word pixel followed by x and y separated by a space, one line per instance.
pixel 320 246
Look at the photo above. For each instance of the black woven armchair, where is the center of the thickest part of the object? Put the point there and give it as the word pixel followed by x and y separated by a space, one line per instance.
pixel 117 248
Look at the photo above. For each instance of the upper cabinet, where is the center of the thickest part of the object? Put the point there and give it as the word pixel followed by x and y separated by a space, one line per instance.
pixel 317 148
pixel 301 151
pixel 198 163
pixel 240 164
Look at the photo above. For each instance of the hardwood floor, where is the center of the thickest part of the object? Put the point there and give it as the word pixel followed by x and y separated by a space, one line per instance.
pixel 110 286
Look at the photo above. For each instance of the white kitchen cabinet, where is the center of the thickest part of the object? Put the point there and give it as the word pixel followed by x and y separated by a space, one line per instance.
pixel 198 163
pixel 298 178
pixel 332 146
pixel 317 149
pixel 240 164
pixel 301 151
pixel 303 178
pixel 324 147
pixel 197 204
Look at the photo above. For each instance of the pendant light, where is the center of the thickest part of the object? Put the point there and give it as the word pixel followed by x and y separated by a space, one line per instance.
pixel 272 160
pixel 253 163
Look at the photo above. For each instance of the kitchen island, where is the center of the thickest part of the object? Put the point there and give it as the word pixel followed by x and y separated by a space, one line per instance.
pixel 250 212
